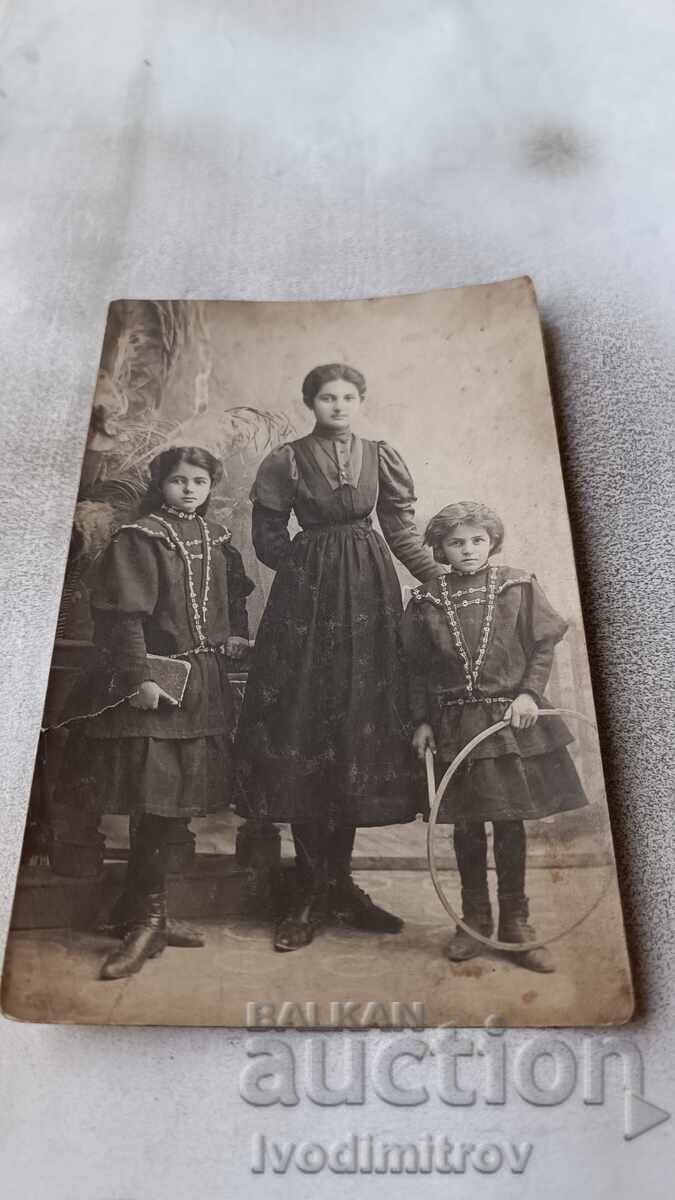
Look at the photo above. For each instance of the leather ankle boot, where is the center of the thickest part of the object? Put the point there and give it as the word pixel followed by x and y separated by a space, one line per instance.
pixel 145 939
pixel 350 905
pixel 477 913
pixel 178 933
pixel 305 915
pixel 514 927
pixel 119 921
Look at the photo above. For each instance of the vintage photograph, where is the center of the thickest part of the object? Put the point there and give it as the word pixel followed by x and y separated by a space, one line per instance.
pixel 319 745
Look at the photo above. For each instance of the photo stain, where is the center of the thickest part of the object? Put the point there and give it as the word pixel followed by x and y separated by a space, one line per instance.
pixel 529 997
pixel 552 149
pixel 470 971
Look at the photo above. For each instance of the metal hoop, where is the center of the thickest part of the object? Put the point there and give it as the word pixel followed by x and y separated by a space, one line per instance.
pixel 436 795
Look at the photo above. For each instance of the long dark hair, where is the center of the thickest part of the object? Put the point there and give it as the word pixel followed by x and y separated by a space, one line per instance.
pixel 162 466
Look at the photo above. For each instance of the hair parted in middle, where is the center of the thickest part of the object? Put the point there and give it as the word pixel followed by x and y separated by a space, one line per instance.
pixel 464 512
pixel 313 382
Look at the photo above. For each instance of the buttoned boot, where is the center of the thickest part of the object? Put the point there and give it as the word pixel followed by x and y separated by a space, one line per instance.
pixel 179 933
pixel 514 926
pixel 146 935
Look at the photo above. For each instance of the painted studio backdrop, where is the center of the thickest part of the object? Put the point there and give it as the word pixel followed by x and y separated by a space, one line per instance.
pixel 455 389
pixel 457 384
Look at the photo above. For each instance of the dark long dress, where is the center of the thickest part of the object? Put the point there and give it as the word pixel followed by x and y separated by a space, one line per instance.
pixel 474 643
pixel 167 585
pixel 324 729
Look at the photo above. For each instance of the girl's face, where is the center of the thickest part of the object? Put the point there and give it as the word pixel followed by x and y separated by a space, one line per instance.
pixel 186 487
pixel 467 548
pixel 335 405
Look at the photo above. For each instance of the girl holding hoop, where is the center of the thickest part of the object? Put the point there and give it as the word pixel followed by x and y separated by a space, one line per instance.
pixel 480 642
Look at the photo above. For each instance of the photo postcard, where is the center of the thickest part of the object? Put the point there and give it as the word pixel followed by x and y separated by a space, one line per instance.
pixel 319 747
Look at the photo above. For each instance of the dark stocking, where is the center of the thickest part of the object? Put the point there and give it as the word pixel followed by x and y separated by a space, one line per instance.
pixel 340 844
pixel 514 907
pixel 470 844
pixel 510 844
pixel 310 853
pixel 296 929
pixel 148 853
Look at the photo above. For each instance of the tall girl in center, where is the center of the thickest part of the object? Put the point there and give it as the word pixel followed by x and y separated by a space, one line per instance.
pixel 322 734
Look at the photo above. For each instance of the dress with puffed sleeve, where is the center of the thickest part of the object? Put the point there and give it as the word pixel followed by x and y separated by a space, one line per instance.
pixel 324 730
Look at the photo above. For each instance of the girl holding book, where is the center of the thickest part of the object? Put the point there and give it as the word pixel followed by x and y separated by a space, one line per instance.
pixel 169 585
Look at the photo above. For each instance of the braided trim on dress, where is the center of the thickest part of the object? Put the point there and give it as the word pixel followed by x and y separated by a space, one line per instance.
pixel 156 533
pixel 512 582
pixel 471 666
pixel 418 595
pixel 222 537
pixel 198 610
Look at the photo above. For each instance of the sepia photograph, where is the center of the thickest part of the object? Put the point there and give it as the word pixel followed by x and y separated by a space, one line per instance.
pixel 319 747
pixel 338 634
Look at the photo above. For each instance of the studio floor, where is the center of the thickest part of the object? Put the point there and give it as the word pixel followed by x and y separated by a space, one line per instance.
pixel 51 975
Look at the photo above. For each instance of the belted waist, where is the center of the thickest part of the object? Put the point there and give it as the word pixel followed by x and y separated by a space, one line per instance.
pixel 207 648
pixel 349 523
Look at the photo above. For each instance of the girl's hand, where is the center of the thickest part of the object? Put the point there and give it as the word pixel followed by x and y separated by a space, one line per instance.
pixel 522 712
pixel 149 695
pixel 236 647
pixel 423 737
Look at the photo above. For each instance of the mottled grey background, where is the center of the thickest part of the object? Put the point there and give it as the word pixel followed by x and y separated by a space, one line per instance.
pixel 305 149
